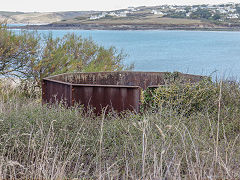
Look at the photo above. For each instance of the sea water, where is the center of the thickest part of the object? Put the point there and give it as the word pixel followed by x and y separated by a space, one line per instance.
pixel 196 52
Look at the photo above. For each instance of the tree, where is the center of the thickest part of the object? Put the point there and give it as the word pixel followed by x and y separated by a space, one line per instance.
pixel 16 52
pixel 216 17
pixel 238 9
pixel 201 13
pixel 28 56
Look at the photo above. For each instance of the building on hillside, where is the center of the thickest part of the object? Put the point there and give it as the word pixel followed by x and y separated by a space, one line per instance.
pixel 233 16
pixel 188 14
pixel 132 9
pixel 112 14
pixel 180 10
pixel 122 14
pixel 157 12
pixel 94 17
pixel 222 10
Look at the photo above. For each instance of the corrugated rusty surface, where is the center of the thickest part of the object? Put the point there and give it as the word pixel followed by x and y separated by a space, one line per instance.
pixel 54 92
pixel 112 97
pixel 117 90
pixel 142 79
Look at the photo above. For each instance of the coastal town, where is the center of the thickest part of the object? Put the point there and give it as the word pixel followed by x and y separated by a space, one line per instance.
pixel 217 17
pixel 222 12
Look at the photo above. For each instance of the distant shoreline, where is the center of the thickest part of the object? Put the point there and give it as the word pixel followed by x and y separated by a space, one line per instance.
pixel 122 27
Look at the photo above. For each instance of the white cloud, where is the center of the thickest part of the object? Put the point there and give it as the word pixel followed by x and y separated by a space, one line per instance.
pixel 70 5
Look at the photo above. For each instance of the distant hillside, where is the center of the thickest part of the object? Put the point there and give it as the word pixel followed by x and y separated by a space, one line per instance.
pixel 209 17
pixel 197 17
pixel 39 17
pixel 9 14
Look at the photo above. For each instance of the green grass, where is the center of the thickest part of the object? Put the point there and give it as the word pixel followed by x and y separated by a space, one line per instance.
pixel 135 19
pixel 142 17
pixel 40 142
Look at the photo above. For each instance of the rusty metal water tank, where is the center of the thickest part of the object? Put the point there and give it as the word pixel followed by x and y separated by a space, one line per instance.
pixel 116 90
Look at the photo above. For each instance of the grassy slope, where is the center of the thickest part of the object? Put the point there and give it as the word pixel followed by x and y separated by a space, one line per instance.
pixel 145 20
pixel 142 17
pixel 40 142
pixel 38 17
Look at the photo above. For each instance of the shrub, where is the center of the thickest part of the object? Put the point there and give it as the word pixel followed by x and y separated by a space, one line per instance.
pixel 28 56
pixel 40 142
pixel 17 52
pixel 218 99
pixel 187 97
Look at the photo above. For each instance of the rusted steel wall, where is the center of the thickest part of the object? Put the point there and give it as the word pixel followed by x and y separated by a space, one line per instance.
pixel 142 79
pixel 54 92
pixel 117 90
pixel 119 98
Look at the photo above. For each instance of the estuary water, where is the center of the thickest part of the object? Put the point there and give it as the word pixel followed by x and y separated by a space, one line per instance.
pixel 196 52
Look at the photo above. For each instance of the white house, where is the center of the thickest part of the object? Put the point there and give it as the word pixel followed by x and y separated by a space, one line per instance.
pixel 122 14
pixel 222 11
pixel 188 14
pixel 233 16
pixel 157 12
pixel 94 17
pixel 112 14
pixel 180 10
pixel 132 9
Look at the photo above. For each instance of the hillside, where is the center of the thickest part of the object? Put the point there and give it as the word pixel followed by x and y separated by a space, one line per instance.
pixel 201 17
pixel 39 17
pixel 138 16
pixel 198 17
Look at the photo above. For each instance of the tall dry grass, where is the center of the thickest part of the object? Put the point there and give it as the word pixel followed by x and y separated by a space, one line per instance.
pixel 40 142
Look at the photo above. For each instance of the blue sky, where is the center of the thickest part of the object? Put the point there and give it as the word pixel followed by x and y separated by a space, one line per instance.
pixel 71 5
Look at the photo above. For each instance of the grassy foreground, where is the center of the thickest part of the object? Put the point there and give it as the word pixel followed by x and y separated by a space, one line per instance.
pixel 39 142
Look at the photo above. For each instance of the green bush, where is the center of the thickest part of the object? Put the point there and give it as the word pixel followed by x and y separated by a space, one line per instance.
pixel 218 99
pixel 29 56
pixel 195 97
pixel 187 97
